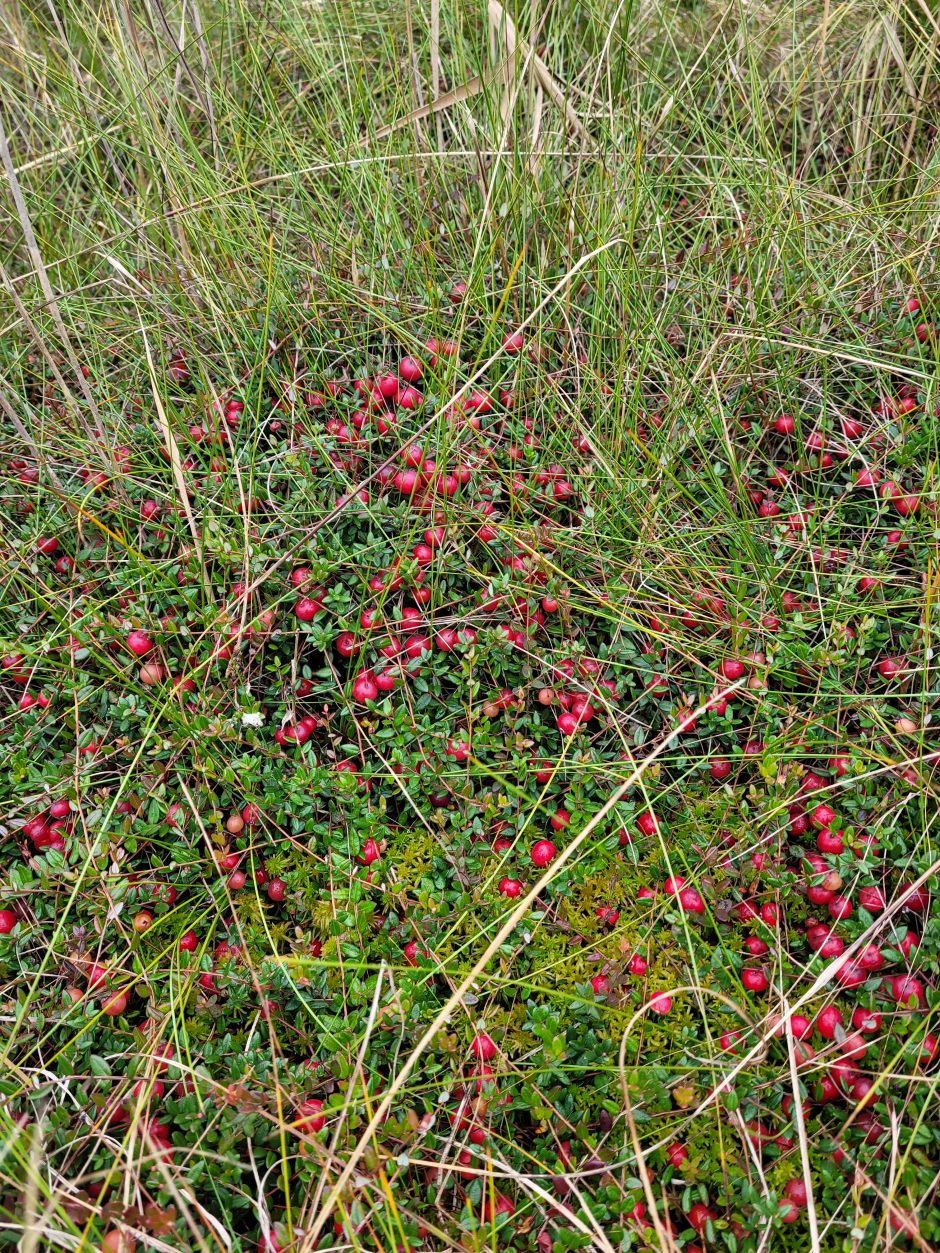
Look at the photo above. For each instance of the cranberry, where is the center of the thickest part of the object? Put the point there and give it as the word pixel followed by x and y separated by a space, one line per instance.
pixel 543 853
pixel 139 643
pixel 482 1047
pixel 648 823
pixel 866 1020
pixel 872 899
pixel 754 979
pixel 308 1118
pixel 306 609
pixel 916 899
pixel 690 901
pixel 828 1020
pixel 907 991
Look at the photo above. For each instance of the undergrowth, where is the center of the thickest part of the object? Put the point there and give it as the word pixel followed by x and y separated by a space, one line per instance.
pixel 469 568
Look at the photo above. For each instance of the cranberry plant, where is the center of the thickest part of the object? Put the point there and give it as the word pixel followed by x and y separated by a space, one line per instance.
pixel 467 628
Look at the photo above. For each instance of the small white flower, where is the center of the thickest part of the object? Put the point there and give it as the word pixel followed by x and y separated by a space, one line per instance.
pixel 253 720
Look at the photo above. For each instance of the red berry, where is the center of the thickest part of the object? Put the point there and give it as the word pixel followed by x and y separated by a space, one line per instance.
pixel 482 1047
pixel 648 823
pixel 891 667
pixel 139 643
pixel 306 609
pixel 308 1118
pixel 371 852
pixel 543 853
pixel 754 979
pixel 827 1020
pixel 914 899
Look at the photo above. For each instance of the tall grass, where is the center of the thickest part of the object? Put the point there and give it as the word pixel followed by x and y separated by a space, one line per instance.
pixel 715 205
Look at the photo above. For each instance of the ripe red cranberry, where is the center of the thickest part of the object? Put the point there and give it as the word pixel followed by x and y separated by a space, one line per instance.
pixel 8 921
pixel 364 688
pixel 371 852
pixel 410 369
pixel 543 853
pixel 850 974
pixel 346 644
pixel 139 643
pixel 788 1212
pixel 872 899
pixel 410 398
pixel 306 609
pixel 509 887
pixel 929 1049
pixel 840 907
pixel 115 1004
pixel 827 1020
pixel 677 1155
pixel 458 749
pixel 492 1208
pixel 830 842
pixel 308 1118
pixel 823 816
pixel 866 1020
pixel 907 991
pixel 647 823
pixel 691 902
pixel 754 979
pixel 482 1047
pixel 891 667
pixel 871 957
pixel 916 899
pixel 276 889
